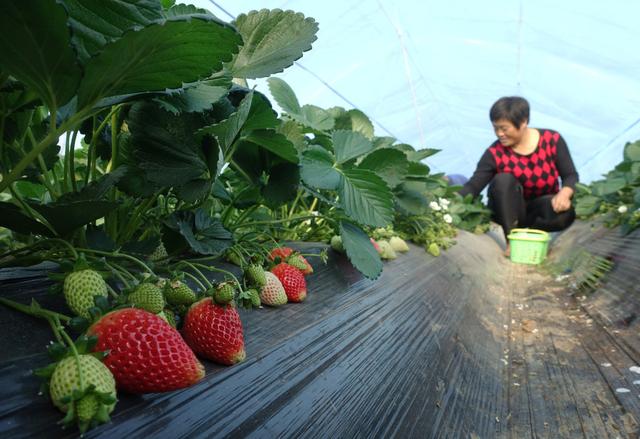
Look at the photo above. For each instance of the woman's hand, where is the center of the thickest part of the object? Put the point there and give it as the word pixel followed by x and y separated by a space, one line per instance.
pixel 562 200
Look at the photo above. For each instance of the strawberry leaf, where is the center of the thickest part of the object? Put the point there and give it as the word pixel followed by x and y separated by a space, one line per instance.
pixel 388 163
pixel 349 145
pixel 360 251
pixel 365 197
pixel 35 49
pixel 273 40
pixel 317 168
pixel 352 120
pixel 284 95
pixel 96 23
pixel 161 56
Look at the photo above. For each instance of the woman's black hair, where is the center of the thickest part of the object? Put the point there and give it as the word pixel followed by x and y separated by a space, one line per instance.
pixel 512 108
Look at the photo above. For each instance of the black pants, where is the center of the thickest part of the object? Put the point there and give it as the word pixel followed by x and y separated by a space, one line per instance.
pixel 511 210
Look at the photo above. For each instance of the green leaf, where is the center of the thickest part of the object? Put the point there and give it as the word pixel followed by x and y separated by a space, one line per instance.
pixel 421 154
pixel 30 190
pixel 155 58
pixel 165 146
pixel 282 186
pixel 95 23
pixel 35 48
pixel 227 130
pixel 274 142
pixel 205 235
pixel 360 250
pixel 410 198
pixel 65 217
pixel 587 205
pixel 292 131
pixel 284 96
pixel 349 145
pixel 354 120
pixel 97 189
pixel 273 40
pixel 195 99
pixel 632 151
pixel 12 218
pixel 365 197
pixel 261 114
pixel 417 170
pixel 315 118
pixel 317 168
pixel 383 142
pixel 388 163
pixel 194 190
pixel 609 186
pixel 187 11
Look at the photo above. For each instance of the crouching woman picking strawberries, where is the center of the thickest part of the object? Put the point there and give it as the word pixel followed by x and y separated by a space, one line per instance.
pixel 524 168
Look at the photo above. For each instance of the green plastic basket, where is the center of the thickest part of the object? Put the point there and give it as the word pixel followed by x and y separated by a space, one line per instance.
pixel 528 246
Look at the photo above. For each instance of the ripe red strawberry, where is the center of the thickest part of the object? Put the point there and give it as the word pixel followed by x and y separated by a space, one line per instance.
pixel 292 280
pixel 272 293
pixel 214 331
pixel 145 353
pixel 280 252
pixel 375 245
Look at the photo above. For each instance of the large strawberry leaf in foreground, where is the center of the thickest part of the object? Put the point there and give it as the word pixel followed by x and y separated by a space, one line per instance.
pixel 35 48
pixel 360 251
pixel 366 198
pixel 95 23
pixel 157 57
pixel 273 40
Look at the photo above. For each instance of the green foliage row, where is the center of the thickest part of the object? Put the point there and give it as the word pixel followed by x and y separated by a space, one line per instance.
pixel 617 196
pixel 175 148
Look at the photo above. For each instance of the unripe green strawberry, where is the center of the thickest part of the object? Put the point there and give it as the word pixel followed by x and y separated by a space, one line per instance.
pixel 398 244
pixel 255 275
pixel 159 253
pixel 273 293
pixel 224 293
pixel 433 249
pixel 254 297
pixel 66 379
pixel 234 258
pixel 147 296
pixel 87 408
pixel 386 251
pixel 81 288
pixel 179 293
pixel 336 243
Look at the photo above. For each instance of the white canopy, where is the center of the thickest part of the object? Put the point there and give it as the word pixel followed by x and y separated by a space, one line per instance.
pixel 426 72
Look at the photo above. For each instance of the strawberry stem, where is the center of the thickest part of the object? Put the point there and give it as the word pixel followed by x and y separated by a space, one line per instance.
pixel 202 276
pixel 34 310
pixel 220 270
pixel 117 270
pixel 195 279
pixel 119 255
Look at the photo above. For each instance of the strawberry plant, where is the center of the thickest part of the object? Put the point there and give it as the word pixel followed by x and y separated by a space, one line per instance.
pixel 617 197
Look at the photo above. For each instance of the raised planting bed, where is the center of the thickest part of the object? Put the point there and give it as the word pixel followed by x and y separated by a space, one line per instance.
pixel 463 345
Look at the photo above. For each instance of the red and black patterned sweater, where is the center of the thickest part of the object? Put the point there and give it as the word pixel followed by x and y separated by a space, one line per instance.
pixel 538 172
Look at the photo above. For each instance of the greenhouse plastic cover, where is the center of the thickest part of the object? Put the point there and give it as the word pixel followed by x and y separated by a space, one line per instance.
pixel 426 72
